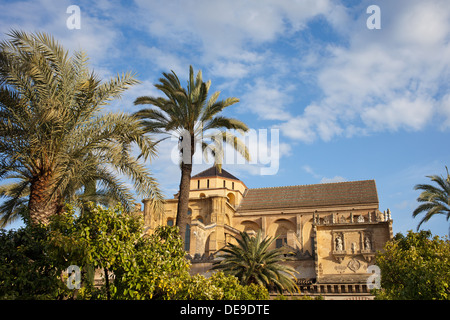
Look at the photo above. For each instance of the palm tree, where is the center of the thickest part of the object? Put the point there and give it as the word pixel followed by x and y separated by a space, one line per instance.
pixel 252 262
pixel 189 114
pixel 436 199
pixel 55 143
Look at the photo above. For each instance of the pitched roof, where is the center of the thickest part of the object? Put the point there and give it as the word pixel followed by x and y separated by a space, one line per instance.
pixel 325 194
pixel 214 172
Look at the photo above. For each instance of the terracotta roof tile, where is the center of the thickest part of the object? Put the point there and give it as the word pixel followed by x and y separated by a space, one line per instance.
pixel 325 194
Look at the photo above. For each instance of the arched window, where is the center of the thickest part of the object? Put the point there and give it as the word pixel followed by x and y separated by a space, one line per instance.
pixel 281 228
pixel 231 199
pixel 250 226
pixel 189 211
pixel 187 238
pixel 170 222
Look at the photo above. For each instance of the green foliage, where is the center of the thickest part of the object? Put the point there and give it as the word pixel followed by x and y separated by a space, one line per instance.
pixel 415 266
pixel 435 199
pixel 34 260
pixel 155 270
pixel 233 290
pixel 144 267
pixel 56 143
pixel 220 287
pixel 26 271
pixel 252 262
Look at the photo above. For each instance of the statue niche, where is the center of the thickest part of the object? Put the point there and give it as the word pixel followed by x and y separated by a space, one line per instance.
pixel 367 249
pixel 338 252
pixel 339 245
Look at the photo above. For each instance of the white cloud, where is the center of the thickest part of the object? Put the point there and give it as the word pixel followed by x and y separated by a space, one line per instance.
pixel 230 69
pixel 375 80
pixel 96 36
pixel 399 113
pixel 267 100
pixel 164 60
pixel 333 180
pixel 223 27
pixel 285 149
pixel 423 24
pixel 298 128
pixel 316 121
pixel 444 110
pixel 308 169
pixel 227 35
pixel 388 79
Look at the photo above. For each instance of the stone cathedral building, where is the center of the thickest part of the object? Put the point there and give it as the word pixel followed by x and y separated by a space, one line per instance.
pixel 333 229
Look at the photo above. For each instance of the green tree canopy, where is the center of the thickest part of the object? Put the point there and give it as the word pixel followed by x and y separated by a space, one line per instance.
pixel 55 141
pixel 135 266
pixel 415 266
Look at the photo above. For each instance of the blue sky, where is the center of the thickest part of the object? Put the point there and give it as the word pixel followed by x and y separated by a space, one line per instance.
pixel 349 103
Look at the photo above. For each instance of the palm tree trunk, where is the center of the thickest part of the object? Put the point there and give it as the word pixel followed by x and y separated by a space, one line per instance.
pixel 41 206
pixel 183 198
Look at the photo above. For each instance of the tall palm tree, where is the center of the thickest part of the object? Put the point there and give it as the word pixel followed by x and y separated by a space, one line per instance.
pixel 251 261
pixel 54 140
pixel 189 114
pixel 436 199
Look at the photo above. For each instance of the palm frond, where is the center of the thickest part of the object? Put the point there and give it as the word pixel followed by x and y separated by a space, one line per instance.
pixel 16 194
pixel 218 139
pixel 51 130
pixel 215 107
pixel 252 261
pixel 113 88
pixel 435 199
pixel 223 122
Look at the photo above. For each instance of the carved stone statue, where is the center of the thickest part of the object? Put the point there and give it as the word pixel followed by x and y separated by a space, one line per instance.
pixel 367 244
pixel 339 245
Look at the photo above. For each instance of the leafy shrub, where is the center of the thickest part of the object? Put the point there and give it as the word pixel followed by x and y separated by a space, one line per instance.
pixel 26 270
pixel 34 260
pixel 415 266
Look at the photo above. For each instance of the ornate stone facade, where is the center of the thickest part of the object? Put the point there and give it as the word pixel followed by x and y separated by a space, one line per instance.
pixel 334 229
